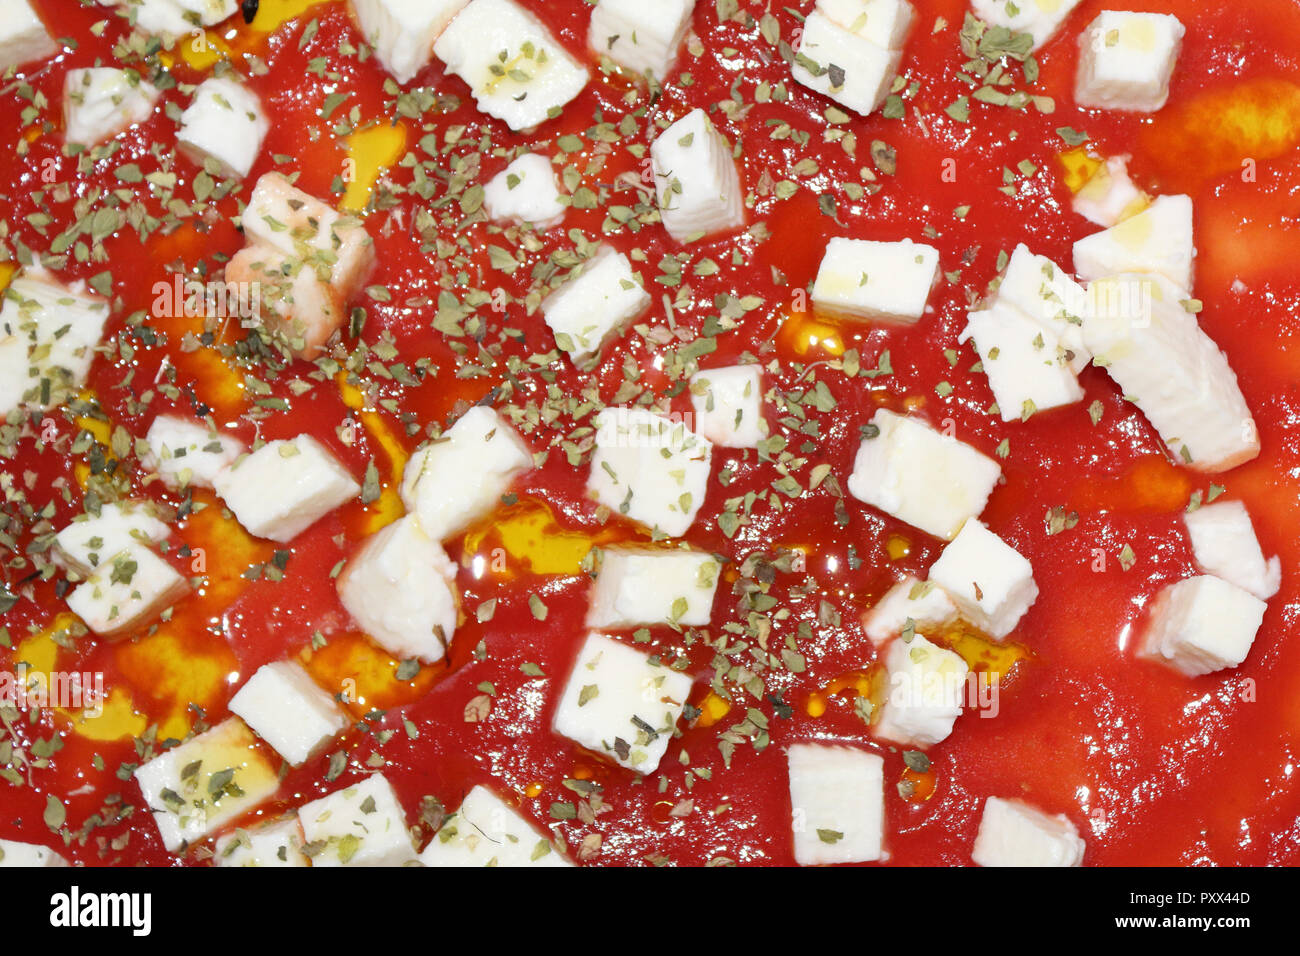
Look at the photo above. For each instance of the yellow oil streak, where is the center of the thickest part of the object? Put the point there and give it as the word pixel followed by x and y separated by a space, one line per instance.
pixel 389 507
pixel 370 151
pixel 803 334
pixel 530 535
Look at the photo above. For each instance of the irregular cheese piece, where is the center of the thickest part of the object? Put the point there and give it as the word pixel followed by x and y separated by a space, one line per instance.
pixel 174 18
pixel 120 525
pixel 293 298
pixel 15 854
pixel 1012 833
pixel 283 488
pixel 271 844
pixel 594 305
pixel 837 801
pixel 1159 239
pixel 1224 542
pixel 403 31
pixel 1044 291
pixel 486 831
pixel 210 780
pixel 1028 367
pixel 875 281
pixel 456 479
pixel 100 102
pixel 620 703
pixel 697 185
pixel 399 587
pixel 728 405
pixel 925 688
pixel 649 469
pixel 911 599
pixel 1039 18
pixel 991 583
pixel 525 191
pixel 189 454
pixel 361 825
pixel 639 36
pixel 884 22
pixel 127 591
pixel 835 62
pixel 224 122
pixel 921 476
pixel 1126 60
pixel 1109 195
pixel 287 709
pixel 638 586
pixel 1201 625
pixel 515 69
pixel 23 37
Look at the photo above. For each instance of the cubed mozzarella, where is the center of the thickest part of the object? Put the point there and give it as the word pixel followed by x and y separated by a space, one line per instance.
pixel 399 588
pixel 991 582
pixel 1201 625
pixel 224 122
pixel 127 591
pixel 403 32
pixel 1126 60
pixel 179 17
pixel 619 702
pixel 638 586
pixel 922 603
pixel 525 191
pixel 649 469
pixel 284 487
pixel 195 789
pixel 728 405
pixel 921 476
pixel 100 102
pixel 91 539
pixel 838 63
pixel 458 478
pixel 1012 833
pixel 23 37
pixel 287 709
pixel 1158 239
pixel 486 831
pixel 643 37
pixel 1044 291
pixel 360 825
pixel 270 844
pixel 875 281
pixel 1109 195
pixel 884 22
pixel 1028 367
pixel 697 184
pixel 837 802
pixel 1224 542
pixel 516 70
pixel 925 687
pixel 189 454
pixel 1039 18
pixel 28 855
pixel 293 298
pixel 594 305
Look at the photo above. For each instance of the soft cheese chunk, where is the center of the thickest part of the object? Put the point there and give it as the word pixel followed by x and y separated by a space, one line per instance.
pixel 515 69
pixel 638 586
pixel 292 296
pixel 197 788
pixel 875 281
pixel 1126 60
pixel 283 488
pixel 486 831
pixel 925 686
pixel 1039 18
pixel 23 37
pixel 272 844
pixel 1012 833
pixel 189 454
pixel 225 122
pixel 179 17
pixel 1042 290
pixel 910 600
pixel 28 855
pixel 838 63
pixel 620 703
pixel 1109 195
pixel 89 540
pixel 884 22
pixel 991 583
pixel 361 825
pixel 729 405
pixel 837 802
pixel 403 31
pixel 525 191
pixel 642 37
pixel 1158 239
pixel 287 709
pixel 649 469
pixel 1201 625
pixel 127 591
pixel 398 586
pixel 100 102
pixel 921 476
pixel 1028 367
pixel 594 305
pixel 457 479
pixel 696 182
pixel 1224 542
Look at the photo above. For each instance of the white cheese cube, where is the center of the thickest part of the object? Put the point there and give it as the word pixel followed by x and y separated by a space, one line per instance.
pixel 921 476
pixel 23 37
pixel 119 526
pixel 525 191
pixel 100 102
pixel 837 802
pixel 729 405
pixel 189 454
pixel 1044 291
pixel 486 831
pixel 515 69
pixel 925 687
pixel 1201 625
pixel 403 31
pixel 1012 833
pixel 1028 367
pixel 195 789
pixel 361 825
pixel 287 709
pixel 224 121
pixel 922 603
pixel 458 478
pixel 620 703
pixel 283 488
pixel 1175 373
pixel 835 62
pixel 1224 542
pixel 641 37
pixel 1158 239
pixel 649 468
pixel 697 185
pixel 179 17
pixel 991 582
pixel 594 305
pixel 292 297
pixel 884 22
pixel 1039 18
pixel 1109 196
pixel 638 586
pixel 399 587
pixel 875 281
pixel 127 591
pixel 1126 60
pixel 271 844
pixel 15 854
